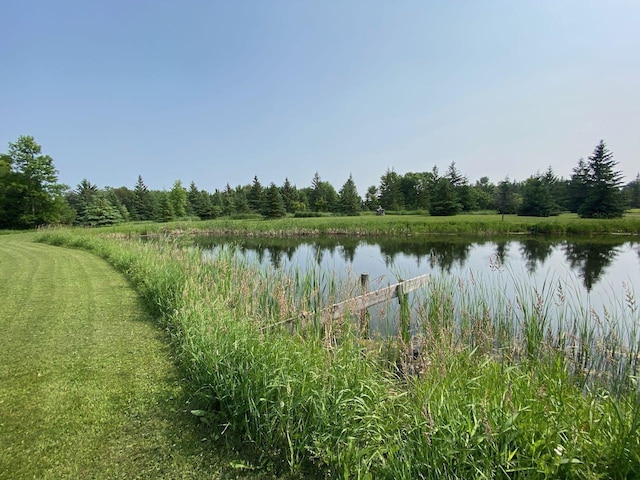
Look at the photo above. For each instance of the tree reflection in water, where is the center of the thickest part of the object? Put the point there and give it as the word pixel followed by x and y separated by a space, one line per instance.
pixel 535 252
pixel 589 258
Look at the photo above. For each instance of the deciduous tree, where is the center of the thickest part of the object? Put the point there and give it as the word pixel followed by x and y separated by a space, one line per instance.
pixel 31 192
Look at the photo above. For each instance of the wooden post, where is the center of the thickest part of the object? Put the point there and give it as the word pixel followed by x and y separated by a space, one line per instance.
pixel 366 300
pixel 405 314
pixel 364 313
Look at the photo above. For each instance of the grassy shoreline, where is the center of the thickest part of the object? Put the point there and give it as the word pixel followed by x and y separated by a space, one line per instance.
pixel 394 225
pixel 321 399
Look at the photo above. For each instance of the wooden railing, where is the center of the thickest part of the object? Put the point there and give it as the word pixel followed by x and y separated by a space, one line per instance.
pixel 360 304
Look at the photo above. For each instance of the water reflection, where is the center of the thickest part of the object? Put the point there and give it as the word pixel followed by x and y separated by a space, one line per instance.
pixel 534 252
pixel 441 253
pixel 589 258
pixel 501 251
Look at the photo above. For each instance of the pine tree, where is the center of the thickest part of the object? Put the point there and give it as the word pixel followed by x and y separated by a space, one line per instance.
pixel 578 186
pixel 537 199
pixel 178 199
pixel 228 201
pixel 255 196
pixel 445 200
pixel 632 192
pixel 193 196
pixel 390 195
pixel 99 212
pixel 603 196
pixel 240 200
pixel 322 196
pixel 350 202
pixel 166 212
pixel 142 202
pixel 506 198
pixel 274 205
pixel 289 195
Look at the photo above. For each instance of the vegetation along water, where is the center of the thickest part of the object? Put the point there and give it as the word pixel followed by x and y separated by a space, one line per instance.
pixel 493 391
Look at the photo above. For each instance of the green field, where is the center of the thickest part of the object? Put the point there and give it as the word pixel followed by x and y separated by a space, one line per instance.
pixel 88 384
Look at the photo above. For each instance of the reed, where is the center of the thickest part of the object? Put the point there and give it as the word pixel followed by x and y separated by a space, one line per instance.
pixel 499 389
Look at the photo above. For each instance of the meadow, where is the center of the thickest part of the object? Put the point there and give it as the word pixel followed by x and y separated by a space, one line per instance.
pixel 496 392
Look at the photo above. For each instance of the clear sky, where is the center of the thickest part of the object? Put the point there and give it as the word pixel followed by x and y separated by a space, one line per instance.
pixel 220 91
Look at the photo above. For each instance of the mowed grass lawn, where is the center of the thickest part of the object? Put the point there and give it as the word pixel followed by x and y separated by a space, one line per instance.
pixel 88 387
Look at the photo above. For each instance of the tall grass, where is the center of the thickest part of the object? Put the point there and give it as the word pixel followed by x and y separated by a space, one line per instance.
pixel 511 317
pixel 322 397
pixel 391 225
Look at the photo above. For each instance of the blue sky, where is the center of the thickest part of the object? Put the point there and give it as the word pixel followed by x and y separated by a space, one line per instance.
pixel 220 91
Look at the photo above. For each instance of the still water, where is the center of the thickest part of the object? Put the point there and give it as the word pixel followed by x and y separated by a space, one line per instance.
pixel 596 271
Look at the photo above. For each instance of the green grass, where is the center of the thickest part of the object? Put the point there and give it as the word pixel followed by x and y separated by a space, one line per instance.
pixel 89 387
pixel 323 398
pixel 397 225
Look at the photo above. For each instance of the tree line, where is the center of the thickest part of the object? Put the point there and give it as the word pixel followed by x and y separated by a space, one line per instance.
pixel 31 195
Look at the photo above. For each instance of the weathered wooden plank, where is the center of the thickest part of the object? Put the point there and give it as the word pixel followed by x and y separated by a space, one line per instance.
pixel 369 299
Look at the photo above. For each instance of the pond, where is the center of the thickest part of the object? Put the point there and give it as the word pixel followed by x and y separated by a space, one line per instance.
pixel 599 264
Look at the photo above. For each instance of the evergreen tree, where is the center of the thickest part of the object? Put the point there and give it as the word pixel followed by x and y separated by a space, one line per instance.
pixel 178 199
pixel 315 193
pixel 240 200
pixel 350 202
pixel 632 192
pixel 506 200
pixel 81 197
pixel 114 199
pixel 445 200
pixel 143 208
pixel 126 197
pixel 603 197
pixel 217 201
pixel 578 186
pixel 165 212
pixel 289 195
pixel 537 200
pixel 559 190
pixel 255 197
pixel 193 196
pixel 206 209
pixel 228 201
pixel 99 211
pixel 390 194
pixel 322 196
pixel 274 205
pixel 463 192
